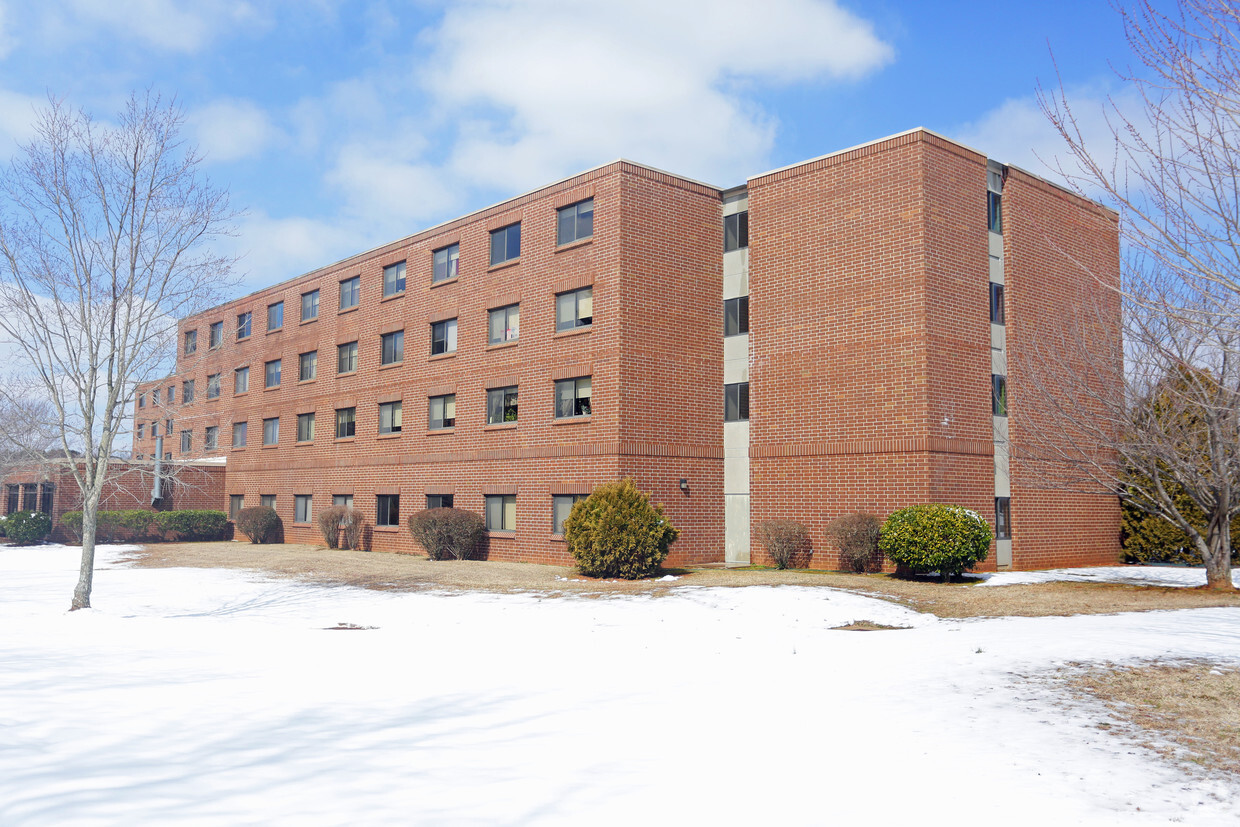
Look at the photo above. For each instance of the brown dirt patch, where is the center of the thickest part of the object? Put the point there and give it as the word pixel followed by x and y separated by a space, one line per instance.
pixel 1187 712
pixel 380 570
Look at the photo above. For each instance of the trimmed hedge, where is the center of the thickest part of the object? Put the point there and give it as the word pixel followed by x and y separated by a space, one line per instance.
pixel 786 542
pixel 447 533
pixel 618 532
pixel 945 538
pixel 28 528
pixel 137 524
pixel 857 538
pixel 260 523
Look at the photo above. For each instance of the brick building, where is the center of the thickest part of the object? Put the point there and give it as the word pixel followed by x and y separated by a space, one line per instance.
pixel 830 337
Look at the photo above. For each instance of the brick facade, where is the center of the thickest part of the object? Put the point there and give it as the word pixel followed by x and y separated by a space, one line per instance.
pixel 869 356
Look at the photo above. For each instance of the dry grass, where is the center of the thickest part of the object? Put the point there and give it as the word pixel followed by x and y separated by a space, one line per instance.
pixel 379 570
pixel 1188 712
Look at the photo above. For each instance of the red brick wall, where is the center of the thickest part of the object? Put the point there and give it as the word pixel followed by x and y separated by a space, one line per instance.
pixel 1059 252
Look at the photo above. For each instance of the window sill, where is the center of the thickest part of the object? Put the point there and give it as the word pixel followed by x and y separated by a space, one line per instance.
pixel 570 420
pixel 272 388
pixel 242 339
pixel 501 426
pixel 576 331
pixel 234 449
pixel 391 365
pixel 352 309
pixel 347 373
pixel 502 345
pixel 504 265
pixel 441 356
pixel 346 439
pixel 502 533
pixel 275 330
pixel 212 399
pixel 307 381
pixel 438 431
pixel 442 282
pixel 269 447
pixel 398 295
pixel 308 321
pixel 573 245
pixel 389 436
pixel 387 529
pixel 303 443
pixel 557 538
pixel 303 523
pixel 242 393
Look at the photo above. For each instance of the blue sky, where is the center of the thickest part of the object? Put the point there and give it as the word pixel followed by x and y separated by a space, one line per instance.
pixel 341 125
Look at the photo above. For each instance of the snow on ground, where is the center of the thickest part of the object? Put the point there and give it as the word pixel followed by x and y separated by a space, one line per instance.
pixel 222 697
pixel 1135 575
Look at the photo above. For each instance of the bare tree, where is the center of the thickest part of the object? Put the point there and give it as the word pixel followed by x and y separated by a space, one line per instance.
pixel 105 233
pixel 1168 405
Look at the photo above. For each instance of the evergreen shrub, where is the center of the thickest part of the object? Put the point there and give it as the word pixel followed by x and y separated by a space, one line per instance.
pixel 618 532
pixel 191 524
pixel 948 539
pixel 28 528
pixel 447 533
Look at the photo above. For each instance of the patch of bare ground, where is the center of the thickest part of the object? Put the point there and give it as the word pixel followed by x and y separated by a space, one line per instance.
pixel 381 570
pixel 1187 712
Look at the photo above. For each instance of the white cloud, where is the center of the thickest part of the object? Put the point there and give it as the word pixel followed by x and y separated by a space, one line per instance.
pixel 6 35
pixel 167 25
pixel 17 115
pixel 274 249
pixel 549 88
pixel 394 190
pixel 230 130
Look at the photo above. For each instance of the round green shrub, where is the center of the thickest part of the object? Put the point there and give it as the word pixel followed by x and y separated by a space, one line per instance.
pixel 945 538
pixel 447 532
pixel 72 521
pixel 618 532
pixel 26 528
pixel 260 523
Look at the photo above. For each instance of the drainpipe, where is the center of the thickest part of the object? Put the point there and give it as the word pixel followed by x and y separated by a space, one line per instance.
pixel 156 491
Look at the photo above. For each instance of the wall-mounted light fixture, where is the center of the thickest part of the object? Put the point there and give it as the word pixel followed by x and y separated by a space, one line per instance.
pixel 684 485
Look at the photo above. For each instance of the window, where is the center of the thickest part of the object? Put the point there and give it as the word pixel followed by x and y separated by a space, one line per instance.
pixel 735 231
pixel 275 316
pixel 213 386
pixel 191 342
pixel 506 243
pixel 154 429
pixel 443 337
pixel 241 380
pixel 307 366
pixel 142 400
pixel 572 397
pixel 504 324
pixel 342 500
pixel 393 348
pixel 215 335
pixel 141 431
pixel 305 427
pixel 172 394
pixel 240 431
pixel 350 292
pixel 442 412
pixel 736 316
pixel 561 505
pixel 394 279
pixel 11 505
pixel 575 222
pixel 998 395
pixel 346 422
pixel 267 500
pixel 447 263
pixel 155 397
pixel 1003 518
pixel 736 402
pixel 46 491
pixel 187 391
pixel 211 438
pixel 271 431
pixel 301 508
pixel 575 309
pixel 389 417
pixel 310 305
pixel 996 303
pixel 167 427
pixel 438 500
pixel 30 496
pixel 501 405
pixel 236 502
pixel 243 325
pixel 501 512
pixel 271 373
pixel 187 441
pixel 994 209
pixel 387 509
pixel 346 357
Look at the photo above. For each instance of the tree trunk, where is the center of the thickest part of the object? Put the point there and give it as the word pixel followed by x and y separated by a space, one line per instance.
pixel 86 576
pixel 1217 555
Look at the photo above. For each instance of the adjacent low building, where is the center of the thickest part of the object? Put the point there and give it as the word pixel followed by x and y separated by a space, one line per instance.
pixel 839 335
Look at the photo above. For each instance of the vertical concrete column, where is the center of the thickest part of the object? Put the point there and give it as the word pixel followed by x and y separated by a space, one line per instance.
pixel 736 369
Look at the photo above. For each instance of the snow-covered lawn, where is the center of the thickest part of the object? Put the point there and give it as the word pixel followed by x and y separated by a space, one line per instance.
pixel 219 697
pixel 1174 576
